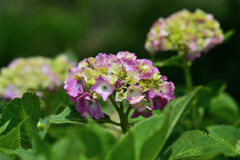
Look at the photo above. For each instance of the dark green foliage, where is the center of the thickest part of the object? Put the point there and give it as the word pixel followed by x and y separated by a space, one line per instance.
pixel 24 112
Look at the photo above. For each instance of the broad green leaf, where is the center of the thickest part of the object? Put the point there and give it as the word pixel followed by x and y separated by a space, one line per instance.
pixel 124 150
pixel 229 134
pixel 21 153
pixel 90 142
pixel 53 101
pixel 31 107
pixel 192 144
pixel 155 126
pixel 4 127
pixel 154 144
pixel 14 111
pixel 28 107
pixel 224 108
pixel 96 140
pixel 68 115
pixel 68 148
pixel 11 140
pixel 228 35
pixel 140 132
pixel 238 147
pixel 107 138
pixel 4 157
pixel 93 146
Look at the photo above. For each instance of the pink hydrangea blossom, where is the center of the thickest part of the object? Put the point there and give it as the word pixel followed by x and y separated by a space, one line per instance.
pixel 122 77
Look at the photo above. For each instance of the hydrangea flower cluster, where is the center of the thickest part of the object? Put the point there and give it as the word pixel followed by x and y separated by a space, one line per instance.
pixel 33 74
pixel 192 33
pixel 121 76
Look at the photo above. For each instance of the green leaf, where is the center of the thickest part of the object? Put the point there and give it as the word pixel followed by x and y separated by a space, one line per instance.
pixel 23 154
pixel 124 149
pixel 43 126
pixel 31 107
pixel 28 107
pixel 238 147
pixel 192 144
pixel 92 143
pixel 152 132
pixel 68 115
pixel 89 142
pixel 4 157
pixel 228 35
pixel 107 138
pixel 4 126
pixel 53 101
pixel 174 60
pixel 14 111
pixel 224 108
pixel 137 135
pixel 68 148
pixel 11 140
pixel 154 144
pixel 229 134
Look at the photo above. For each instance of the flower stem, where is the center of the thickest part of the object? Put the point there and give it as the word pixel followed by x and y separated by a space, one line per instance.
pixel 187 73
pixel 188 80
pixel 122 116
pixel 128 110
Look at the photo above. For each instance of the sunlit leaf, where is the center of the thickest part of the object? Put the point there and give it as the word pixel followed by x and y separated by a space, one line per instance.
pixel 2 128
pixel 192 144
pixel 224 108
pixel 148 137
pixel 229 134
pixel 154 144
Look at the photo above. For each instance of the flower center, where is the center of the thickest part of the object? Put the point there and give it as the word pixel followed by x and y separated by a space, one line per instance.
pixel 104 87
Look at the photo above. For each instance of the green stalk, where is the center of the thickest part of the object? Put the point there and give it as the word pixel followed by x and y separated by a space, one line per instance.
pixel 187 73
pixel 186 65
pixel 122 116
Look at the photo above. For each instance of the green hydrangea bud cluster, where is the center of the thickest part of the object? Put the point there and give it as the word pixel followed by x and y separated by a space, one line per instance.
pixel 33 74
pixel 192 33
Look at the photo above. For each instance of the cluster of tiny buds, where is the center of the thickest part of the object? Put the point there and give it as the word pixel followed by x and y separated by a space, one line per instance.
pixel 33 74
pixel 191 33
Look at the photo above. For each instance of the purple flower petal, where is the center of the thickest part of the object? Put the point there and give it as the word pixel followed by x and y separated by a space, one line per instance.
pixel 141 109
pixel 87 105
pixel 74 87
pixel 136 100
pixel 133 92
pixel 163 78
pixel 73 71
pixel 102 87
pixel 147 112
pixel 126 54
pixel 158 102
pixel 167 90
pixel 150 93
pixel 118 84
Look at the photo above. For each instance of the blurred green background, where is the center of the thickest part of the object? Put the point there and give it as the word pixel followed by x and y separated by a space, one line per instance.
pixel 49 27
